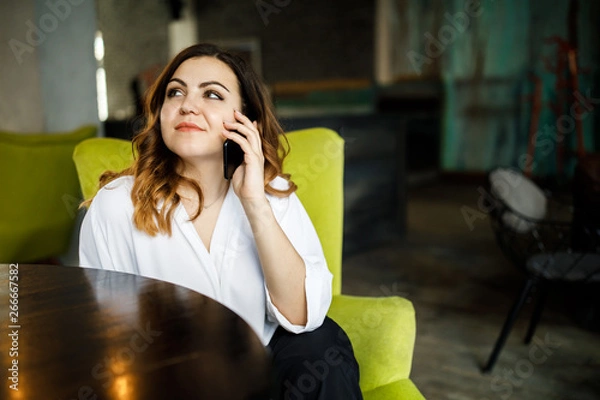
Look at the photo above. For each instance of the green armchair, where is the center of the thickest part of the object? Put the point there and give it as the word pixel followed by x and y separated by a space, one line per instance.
pixel 382 329
pixel 40 194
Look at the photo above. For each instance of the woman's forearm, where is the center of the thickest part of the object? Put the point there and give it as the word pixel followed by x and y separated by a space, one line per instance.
pixel 283 268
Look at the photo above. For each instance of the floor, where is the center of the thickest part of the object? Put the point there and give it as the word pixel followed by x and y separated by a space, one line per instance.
pixel 449 266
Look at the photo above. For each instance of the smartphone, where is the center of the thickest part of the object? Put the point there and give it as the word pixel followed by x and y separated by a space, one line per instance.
pixel 233 155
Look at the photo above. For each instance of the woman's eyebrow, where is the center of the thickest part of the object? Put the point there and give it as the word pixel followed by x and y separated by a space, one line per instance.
pixel 202 85
pixel 208 83
pixel 182 83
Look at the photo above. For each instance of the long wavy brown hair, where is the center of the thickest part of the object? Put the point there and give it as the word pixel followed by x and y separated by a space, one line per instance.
pixel 156 168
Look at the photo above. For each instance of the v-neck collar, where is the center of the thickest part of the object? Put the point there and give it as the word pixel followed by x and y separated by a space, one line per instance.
pixel 188 225
pixel 223 214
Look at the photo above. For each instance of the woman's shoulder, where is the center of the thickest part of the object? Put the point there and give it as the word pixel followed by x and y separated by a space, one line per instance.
pixel 280 183
pixel 115 195
pixel 281 204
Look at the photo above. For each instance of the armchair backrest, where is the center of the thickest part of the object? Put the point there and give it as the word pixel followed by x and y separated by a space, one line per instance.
pixel 94 156
pixel 315 162
pixel 38 205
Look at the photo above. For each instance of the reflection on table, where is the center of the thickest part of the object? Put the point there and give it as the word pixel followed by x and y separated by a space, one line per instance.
pixel 93 334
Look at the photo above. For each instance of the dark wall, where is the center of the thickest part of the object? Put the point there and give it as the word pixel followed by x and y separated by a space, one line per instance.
pixel 303 40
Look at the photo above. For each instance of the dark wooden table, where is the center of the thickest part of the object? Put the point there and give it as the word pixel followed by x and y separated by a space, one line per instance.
pixel 70 333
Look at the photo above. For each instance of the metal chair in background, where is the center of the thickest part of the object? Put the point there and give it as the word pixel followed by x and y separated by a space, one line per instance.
pixel 535 232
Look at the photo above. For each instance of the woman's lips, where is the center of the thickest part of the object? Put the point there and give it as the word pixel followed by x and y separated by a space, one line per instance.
pixel 187 127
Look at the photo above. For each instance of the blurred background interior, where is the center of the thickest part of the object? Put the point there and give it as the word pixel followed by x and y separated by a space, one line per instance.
pixel 429 95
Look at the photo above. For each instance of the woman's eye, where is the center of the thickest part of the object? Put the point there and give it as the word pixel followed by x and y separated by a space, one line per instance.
pixel 213 95
pixel 174 92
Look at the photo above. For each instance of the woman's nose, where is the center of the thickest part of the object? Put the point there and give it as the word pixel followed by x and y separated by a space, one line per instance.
pixel 188 107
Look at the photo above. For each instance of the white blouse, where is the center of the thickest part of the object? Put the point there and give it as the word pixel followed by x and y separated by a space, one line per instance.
pixel 230 273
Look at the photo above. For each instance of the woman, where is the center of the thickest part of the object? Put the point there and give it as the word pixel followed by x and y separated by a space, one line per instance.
pixel 246 242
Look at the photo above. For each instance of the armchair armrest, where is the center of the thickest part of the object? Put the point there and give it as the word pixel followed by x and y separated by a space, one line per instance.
pixel 382 331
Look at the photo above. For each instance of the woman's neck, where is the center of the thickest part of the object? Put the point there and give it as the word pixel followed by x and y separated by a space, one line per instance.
pixel 210 178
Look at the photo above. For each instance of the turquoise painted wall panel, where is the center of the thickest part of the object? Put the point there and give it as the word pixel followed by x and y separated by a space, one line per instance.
pixel 558 129
pixel 481 77
pixel 486 76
